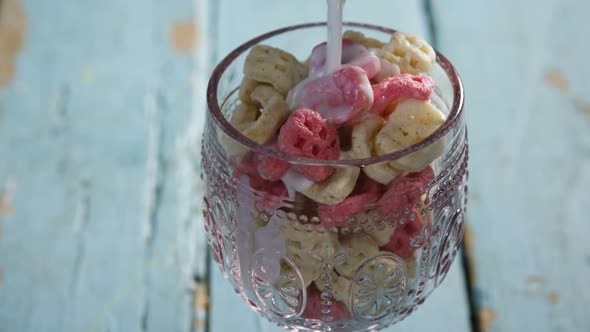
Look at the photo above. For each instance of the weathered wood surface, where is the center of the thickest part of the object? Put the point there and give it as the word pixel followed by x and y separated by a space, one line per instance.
pixel 528 104
pixel 101 108
pixel 98 165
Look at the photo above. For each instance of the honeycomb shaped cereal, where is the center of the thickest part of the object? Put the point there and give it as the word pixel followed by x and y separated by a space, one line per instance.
pixel 388 68
pixel 411 53
pixel 338 285
pixel 308 275
pixel 363 140
pixel 307 134
pixel 404 86
pixel 336 188
pixel 363 136
pixel 311 250
pixel 381 232
pixel 411 122
pixel 401 241
pixel 360 38
pixel 274 112
pixel 404 192
pixel 247 86
pixel 358 248
pixel 275 67
pixel 244 115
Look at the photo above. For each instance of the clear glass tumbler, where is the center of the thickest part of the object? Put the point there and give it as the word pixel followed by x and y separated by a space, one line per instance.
pixel 297 267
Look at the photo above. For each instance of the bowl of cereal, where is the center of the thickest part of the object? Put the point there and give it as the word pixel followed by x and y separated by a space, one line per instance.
pixel 335 199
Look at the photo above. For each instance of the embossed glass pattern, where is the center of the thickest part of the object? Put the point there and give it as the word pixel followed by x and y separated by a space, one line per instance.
pixel 304 270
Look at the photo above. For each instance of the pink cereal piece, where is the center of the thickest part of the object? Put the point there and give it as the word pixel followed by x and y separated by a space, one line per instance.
pixel 315 173
pixel 271 168
pixel 270 192
pixel 306 134
pixel 340 97
pixel 365 192
pixel 339 213
pixel 314 307
pixel 400 242
pixel 405 192
pixel 352 54
pixel 418 87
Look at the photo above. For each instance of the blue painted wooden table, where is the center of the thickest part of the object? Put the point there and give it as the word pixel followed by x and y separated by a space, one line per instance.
pixel 101 111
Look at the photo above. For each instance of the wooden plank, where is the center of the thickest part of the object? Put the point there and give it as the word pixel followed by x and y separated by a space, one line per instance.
pixel 447 309
pixel 526 78
pixel 99 155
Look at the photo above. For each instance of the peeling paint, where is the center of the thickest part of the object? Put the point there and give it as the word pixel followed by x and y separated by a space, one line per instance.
pixel 6 206
pixel 184 36
pixel 553 297
pixel 468 245
pixel 13 27
pixel 486 318
pixel 581 106
pixel 200 305
pixel 556 79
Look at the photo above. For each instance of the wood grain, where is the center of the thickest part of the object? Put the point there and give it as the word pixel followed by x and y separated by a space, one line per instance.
pixel 526 79
pixel 99 138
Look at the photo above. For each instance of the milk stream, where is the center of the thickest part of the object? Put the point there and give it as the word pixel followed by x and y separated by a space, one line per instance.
pixel 334 51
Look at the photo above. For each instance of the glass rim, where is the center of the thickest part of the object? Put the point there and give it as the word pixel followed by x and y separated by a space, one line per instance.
pixel 214 108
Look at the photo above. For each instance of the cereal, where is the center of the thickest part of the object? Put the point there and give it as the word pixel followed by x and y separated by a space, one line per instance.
pixel 353 54
pixel 306 134
pixel 365 192
pixel 363 138
pixel 358 248
pixel 336 215
pixel 310 250
pixel 411 122
pixel 412 54
pixel 388 69
pixel 338 285
pixel 336 188
pixel 418 87
pixel 404 192
pixel 270 193
pixel 341 97
pixel 275 67
pixel 271 168
pixel 381 232
pixel 360 38
pixel 247 86
pixel 316 307
pixel 401 240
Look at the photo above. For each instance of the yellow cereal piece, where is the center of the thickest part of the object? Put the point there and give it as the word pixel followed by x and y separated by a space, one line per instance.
pixel 247 86
pixel 339 286
pixel 335 188
pixel 381 232
pixel 275 67
pixel 360 38
pixel 411 122
pixel 363 140
pixel 274 113
pixel 310 250
pixel 358 248
pixel 412 54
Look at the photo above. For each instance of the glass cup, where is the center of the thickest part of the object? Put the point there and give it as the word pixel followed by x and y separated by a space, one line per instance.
pixel 308 266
